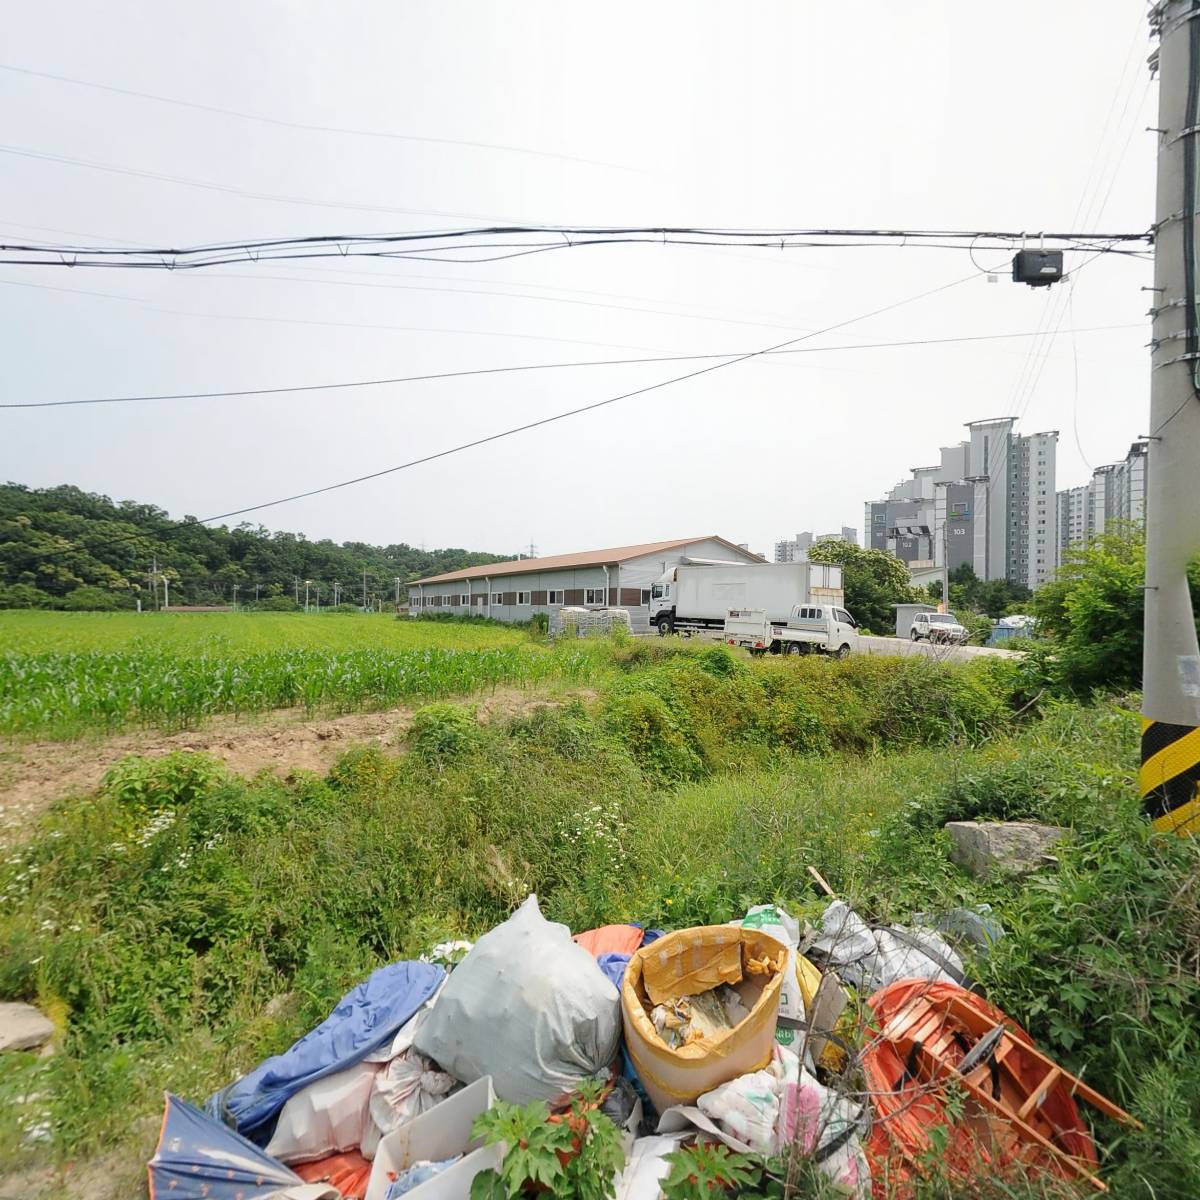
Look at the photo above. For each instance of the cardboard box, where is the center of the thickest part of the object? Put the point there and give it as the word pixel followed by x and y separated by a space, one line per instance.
pixel 440 1133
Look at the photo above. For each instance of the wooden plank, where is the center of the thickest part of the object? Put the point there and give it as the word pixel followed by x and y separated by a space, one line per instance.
pixel 1038 1096
pixel 943 1071
pixel 1077 1086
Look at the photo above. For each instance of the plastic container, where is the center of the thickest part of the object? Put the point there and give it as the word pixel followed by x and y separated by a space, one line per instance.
pixel 686 963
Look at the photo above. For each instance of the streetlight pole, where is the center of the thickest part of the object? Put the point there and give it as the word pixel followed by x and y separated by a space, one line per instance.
pixel 1170 771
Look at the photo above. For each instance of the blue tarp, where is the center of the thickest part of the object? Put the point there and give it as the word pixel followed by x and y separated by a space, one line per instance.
pixel 365 1018
pixel 613 966
pixel 200 1159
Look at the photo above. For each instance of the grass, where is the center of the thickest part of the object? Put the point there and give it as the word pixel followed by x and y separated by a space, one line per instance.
pixel 157 919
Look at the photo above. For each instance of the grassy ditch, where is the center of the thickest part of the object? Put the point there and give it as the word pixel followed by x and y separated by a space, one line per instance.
pixel 182 924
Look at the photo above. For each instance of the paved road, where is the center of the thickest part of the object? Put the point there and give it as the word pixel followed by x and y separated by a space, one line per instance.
pixel 898 646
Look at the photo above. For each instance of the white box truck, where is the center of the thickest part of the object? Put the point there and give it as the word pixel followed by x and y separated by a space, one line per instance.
pixel 698 594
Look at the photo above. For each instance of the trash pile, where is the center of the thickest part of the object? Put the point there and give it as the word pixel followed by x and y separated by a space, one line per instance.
pixel 866 1048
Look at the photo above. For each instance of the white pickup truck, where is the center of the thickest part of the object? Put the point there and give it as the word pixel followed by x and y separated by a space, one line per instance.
pixel 811 629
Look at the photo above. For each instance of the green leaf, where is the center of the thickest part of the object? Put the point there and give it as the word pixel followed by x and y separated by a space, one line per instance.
pixel 488 1185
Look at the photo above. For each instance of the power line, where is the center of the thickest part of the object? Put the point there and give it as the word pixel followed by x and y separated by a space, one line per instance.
pixel 583 408
pixel 434 245
pixel 602 362
pixel 228 189
pixel 562 416
pixel 305 126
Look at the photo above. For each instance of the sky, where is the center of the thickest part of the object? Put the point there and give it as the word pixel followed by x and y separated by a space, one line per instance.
pixel 927 114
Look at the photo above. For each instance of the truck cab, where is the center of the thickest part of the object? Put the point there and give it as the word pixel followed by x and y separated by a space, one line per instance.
pixel 662 603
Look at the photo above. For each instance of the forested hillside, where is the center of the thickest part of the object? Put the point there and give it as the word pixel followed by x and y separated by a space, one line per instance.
pixel 65 548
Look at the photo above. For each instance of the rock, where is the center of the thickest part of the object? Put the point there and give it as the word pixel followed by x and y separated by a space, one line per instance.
pixel 23 1027
pixel 281 1005
pixel 1017 847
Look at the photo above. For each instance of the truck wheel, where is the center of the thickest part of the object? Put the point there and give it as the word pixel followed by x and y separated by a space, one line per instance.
pixel 794 648
pixel 915 636
pixel 843 651
pixel 665 626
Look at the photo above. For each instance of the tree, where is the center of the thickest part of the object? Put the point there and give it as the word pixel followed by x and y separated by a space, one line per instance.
pixel 58 540
pixel 874 581
pixel 1094 609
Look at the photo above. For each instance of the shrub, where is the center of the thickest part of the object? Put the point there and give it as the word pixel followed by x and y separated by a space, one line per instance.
pixel 441 733
pixel 94 599
pixel 275 604
pixel 977 626
pixel 645 725
pixel 150 785
pixel 23 595
pixel 567 730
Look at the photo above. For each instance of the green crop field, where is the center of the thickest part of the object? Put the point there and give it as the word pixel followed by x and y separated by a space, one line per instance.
pixel 64 674
pixel 33 632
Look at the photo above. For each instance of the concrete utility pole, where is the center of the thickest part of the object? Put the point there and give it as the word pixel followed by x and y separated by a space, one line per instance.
pixel 397 581
pixel 364 603
pixel 306 583
pixel 1170 771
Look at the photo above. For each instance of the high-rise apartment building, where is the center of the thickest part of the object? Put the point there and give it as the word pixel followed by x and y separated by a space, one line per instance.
pixel 989 502
pixel 796 549
pixel 1115 493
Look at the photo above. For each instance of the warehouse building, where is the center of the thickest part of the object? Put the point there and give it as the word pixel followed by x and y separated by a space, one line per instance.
pixel 619 577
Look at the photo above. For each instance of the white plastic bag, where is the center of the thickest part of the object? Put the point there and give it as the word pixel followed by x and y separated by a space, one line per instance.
pixel 869 958
pixel 326 1117
pixel 772 919
pixel 528 1007
pixel 646 1167
pixel 783 1104
pixel 408 1086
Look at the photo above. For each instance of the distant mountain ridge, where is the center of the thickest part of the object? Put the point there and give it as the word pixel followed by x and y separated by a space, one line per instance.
pixel 64 547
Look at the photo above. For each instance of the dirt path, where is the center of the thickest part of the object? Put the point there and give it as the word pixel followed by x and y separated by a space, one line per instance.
pixel 35 774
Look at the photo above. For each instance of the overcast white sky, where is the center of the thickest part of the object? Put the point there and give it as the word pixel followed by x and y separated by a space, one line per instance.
pixel 920 114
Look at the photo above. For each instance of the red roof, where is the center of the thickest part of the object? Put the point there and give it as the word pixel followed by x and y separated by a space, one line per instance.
pixel 585 558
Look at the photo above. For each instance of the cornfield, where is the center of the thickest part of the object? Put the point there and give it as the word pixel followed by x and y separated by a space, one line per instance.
pixel 62 694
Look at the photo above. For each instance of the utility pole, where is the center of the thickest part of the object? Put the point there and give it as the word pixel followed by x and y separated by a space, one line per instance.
pixel 235 592
pixel 166 592
pixel 364 604
pixel 397 580
pixel 296 583
pixel 337 590
pixel 154 579
pixel 306 582
pixel 1170 769
pixel 256 587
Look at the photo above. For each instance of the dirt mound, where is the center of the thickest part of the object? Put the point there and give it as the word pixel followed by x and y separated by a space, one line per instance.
pixel 35 774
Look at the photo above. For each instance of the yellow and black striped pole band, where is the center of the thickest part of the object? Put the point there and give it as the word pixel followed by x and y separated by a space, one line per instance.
pixel 1169 780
